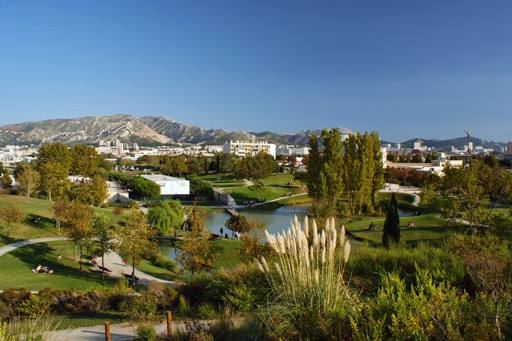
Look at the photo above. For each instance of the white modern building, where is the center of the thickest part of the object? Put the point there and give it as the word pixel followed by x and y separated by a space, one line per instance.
pixel 292 150
pixel 240 148
pixel 170 185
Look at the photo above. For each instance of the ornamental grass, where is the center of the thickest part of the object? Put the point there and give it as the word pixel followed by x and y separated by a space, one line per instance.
pixel 307 273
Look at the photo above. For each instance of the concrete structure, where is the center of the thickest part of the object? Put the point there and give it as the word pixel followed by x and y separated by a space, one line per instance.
pixel 509 148
pixel 240 148
pixel 170 185
pixel 292 150
pixel 437 166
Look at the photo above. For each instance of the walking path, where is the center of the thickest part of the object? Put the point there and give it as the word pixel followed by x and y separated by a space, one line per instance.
pixel 113 261
pixel 405 189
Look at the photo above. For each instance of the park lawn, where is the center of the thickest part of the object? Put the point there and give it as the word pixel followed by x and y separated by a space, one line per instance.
pixel 400 197
pixel 155 271
pixel 269 192
pixel 278 179
pixel 16 269
pixel 36 208
pixel 27 229
pixel 227 252
pixel 426 227
pixel 222 177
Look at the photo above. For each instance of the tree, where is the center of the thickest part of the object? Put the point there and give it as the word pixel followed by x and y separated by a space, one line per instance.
pixel 174 166
pixel 85 160
pixel 5 178
pixel 136 238
pixel 26 178
pixel 53 164
pixel 118 210
pixel 196 251
pixel 98 190
pixel 59 210
pixel 166 215
pixel 76 222
pixel 11 214
pixel 391 231
pixel 238 223
pixel 332 168
pixel 314 180
pixel 259 167
pixel 465 192
pixel 104 233
pixel 251 243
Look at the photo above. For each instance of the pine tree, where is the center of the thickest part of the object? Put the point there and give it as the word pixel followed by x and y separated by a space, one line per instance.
pixel 391 232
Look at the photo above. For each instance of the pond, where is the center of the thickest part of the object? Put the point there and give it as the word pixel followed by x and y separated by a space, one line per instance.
pixel 274 220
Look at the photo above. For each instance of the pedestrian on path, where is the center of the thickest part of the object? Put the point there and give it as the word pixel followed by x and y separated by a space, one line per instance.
pixel 59 258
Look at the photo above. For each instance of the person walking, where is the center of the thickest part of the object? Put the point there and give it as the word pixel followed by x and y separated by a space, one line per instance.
pixel 59 257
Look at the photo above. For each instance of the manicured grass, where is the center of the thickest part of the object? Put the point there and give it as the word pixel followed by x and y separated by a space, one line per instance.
pixel 227 252
pixel 279 179
pixel 404 197
pixel 16 268
pixel 79 321
pixel 269 192
pixel 27 229
pixel 426 227
pixel 147 267
pixel 36 208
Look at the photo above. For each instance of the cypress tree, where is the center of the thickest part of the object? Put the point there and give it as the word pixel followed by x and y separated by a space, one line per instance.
pixel 391 232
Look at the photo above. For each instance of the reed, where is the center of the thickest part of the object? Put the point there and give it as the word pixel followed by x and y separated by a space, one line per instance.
pixel 308 272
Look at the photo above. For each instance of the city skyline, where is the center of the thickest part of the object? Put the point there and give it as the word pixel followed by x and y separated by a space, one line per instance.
pixel 404 69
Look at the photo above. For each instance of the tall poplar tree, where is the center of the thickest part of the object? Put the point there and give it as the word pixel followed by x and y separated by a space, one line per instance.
pixel 314 168
pixel 332 169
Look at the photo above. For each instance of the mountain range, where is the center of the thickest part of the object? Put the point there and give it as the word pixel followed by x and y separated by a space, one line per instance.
pixel 148 130
pixel 153 130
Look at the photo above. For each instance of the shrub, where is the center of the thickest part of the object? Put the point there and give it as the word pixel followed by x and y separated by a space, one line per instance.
pixel 146 332
pixel 157 259
pixel 117 294
pixel 207 310
pixel 140 308
pixel 427 310
pixel 166 295
pixel 35 306
pixel 184 306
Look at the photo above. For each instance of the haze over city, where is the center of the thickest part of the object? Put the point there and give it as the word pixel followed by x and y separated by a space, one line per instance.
pixel 405 69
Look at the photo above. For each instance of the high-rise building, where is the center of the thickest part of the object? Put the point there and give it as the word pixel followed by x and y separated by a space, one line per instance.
pixel 509 148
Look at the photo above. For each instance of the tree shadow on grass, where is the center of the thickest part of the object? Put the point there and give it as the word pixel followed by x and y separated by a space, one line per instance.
pixel 41 223
pixel 4 240
pixel 42 253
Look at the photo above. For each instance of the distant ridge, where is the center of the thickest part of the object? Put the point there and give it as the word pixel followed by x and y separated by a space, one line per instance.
pixel 148 130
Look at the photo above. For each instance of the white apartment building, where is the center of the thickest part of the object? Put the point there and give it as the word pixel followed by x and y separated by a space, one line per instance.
pixel 292 150
pixel 241 148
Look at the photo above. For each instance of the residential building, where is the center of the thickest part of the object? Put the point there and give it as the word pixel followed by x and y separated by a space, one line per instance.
pixel 509 148
pixel 241 148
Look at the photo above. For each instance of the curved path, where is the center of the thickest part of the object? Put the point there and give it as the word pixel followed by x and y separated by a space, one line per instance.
pixel 407 190
pixel 112 261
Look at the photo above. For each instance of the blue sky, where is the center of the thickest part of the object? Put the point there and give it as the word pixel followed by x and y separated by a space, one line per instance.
pixel 405 69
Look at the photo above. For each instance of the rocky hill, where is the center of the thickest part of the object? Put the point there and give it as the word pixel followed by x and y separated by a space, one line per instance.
pixel 149 130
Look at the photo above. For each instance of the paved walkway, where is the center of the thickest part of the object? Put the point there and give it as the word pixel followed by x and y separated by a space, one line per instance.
pixel 118 332
pixel 10 247
pixel 112 261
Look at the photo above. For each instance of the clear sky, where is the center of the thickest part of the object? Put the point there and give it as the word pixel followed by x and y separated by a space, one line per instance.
pixel 406 69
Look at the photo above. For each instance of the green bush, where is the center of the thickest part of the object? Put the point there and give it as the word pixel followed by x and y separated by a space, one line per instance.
pixel 184 306
pixel 33 307
pixel 367 266
pixel 140 308
pixel 157 259
pixel 427 310
pixel 146 332
pixel 206 310
pixel 166 295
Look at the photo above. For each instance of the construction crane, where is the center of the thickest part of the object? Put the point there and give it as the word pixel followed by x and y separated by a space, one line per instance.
pixel 15 132
pixel 468 134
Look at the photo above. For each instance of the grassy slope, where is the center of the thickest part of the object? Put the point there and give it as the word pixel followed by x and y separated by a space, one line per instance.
pixel 16 268
pixel 426 227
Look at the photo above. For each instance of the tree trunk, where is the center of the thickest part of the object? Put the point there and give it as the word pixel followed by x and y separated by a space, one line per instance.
pixel 103 265
pixel 81 257
pixel 50 195
pixel 8 225
pixel 74 258
pixel 133 271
